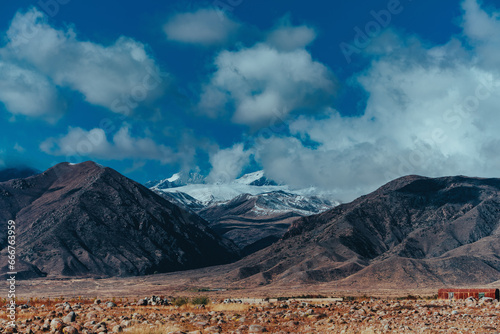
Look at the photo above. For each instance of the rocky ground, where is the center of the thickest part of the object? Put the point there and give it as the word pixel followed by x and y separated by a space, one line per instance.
pixel 361 315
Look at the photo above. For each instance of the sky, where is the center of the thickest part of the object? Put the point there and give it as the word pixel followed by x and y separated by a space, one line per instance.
pixel 340 96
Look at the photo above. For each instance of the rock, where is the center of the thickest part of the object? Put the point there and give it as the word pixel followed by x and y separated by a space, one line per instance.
pixel 256 329
pixel 70 330
pixel 201 323
pixel 70 317
pixel 92 315
pixel 56 324
pixel 470 301
pixel 118 329
pixel 10 329
pixel 213 329
pixel 126 323
pixel 110 304
pixel 486 300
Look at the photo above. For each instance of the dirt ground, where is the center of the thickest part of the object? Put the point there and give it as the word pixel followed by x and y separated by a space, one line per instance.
pixel 199 315
pixel 114 305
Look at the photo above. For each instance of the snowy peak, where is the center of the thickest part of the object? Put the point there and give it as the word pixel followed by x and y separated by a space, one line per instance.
pixel 252 210
pixel 255 179
pixel 176 180
pixel 174 177
pixel 196 192
pixel 182 179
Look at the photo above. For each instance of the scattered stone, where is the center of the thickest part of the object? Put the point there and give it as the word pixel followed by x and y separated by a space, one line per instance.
pixel 213 329
pixel 70 317
pixel 56 324
pixel 256 329
pixel 70 330
pixel 118 329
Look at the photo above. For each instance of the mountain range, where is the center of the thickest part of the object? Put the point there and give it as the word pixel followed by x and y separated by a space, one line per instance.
pixel 414 231
pixel 418 232
pixel 253 211
pixel 89 220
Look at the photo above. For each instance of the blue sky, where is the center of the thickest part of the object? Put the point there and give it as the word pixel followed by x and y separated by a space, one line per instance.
pixel 228 87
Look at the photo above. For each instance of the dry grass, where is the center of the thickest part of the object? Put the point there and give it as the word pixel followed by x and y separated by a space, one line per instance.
pixel 228 307
pixel 155 330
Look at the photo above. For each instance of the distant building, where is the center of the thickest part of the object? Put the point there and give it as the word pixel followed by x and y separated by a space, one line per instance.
pixel 465 293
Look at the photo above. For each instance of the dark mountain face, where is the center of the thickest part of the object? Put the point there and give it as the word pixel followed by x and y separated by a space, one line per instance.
pixel 16 173
pixel 89 220
pixel 415 230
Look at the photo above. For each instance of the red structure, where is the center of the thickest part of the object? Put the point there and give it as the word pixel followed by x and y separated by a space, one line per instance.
pixel 465 293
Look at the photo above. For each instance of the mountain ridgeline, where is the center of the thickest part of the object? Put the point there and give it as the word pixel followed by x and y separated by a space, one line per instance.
pixel 253 211
pixel 416 231
pixel 89 220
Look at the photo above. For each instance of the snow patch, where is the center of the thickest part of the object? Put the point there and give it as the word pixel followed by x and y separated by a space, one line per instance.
pixel 250 178
pixel 174 177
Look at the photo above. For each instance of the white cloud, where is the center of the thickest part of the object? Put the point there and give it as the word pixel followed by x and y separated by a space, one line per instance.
pixel 19 148
pixel 94 144
pixel 203 27
pixel 261 83
pixel 286 37
pixel 119 76
pixel 431 111
pixel 227 164
pixel 482 28
pixel 27 92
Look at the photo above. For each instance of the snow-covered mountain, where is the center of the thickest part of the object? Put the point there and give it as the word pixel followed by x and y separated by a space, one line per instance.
pixel 253 210
pixel 177 180
pixel 208 194
pixel 255 179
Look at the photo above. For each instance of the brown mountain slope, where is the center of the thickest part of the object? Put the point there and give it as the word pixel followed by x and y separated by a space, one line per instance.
pixel 414 230
pixel 86 219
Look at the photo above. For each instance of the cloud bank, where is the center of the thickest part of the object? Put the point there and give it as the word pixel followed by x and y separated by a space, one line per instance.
pixel 106 76
pixel 431 110
pixel 227 164
pixel 94 143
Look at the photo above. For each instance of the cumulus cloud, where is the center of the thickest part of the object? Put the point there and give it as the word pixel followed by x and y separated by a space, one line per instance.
pixel 286 37
pixel 481 28
pixel 27 92
pixel 119 76
pixel 431 111
pixel 260 83
pixel 203 27
pixel 94 144
pixel 227 164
